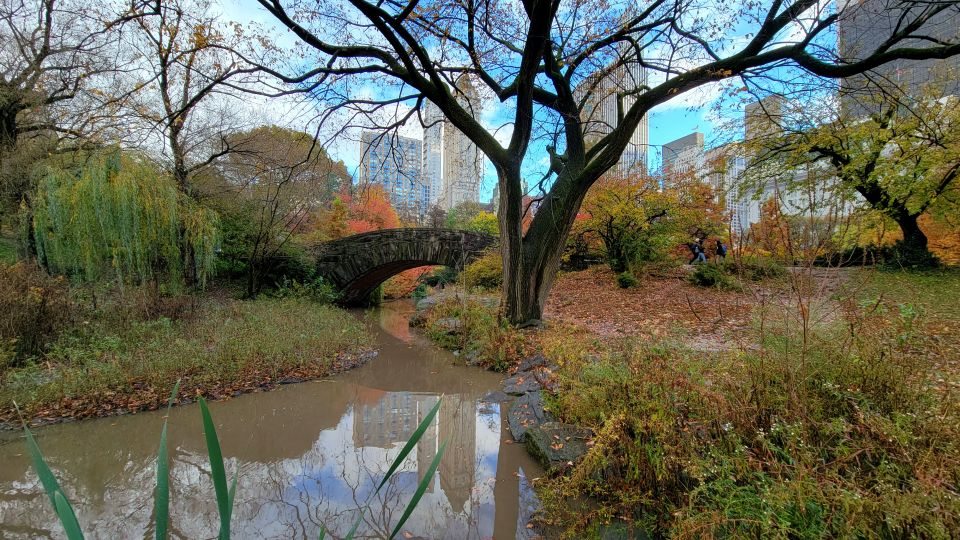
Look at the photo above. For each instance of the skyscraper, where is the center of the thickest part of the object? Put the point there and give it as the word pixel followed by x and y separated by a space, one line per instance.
pixel 395 163
pixel 684 154
pixel 603 95
pixel 452 163
pixel 864 26
pixel 433 150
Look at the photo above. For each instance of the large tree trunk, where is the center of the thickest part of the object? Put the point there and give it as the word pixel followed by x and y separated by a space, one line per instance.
pixel 913 249
pixel 531 260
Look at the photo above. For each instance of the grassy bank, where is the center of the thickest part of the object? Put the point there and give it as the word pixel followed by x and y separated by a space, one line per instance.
pixel 472 329
pixel 116 360
pixel 846 430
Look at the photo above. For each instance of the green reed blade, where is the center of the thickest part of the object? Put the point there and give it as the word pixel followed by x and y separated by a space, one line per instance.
pixel 61 506
pixel 216 470
pixel 414 439
pixel 323 532
pixel 421 489
pixel 233 489
pixel 161 495
pixel 67 517
pixel 47 479
pixel 411 443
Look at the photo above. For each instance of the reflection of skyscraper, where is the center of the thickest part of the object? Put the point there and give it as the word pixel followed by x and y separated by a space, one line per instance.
pixel 428 445
pixel 458 426
pixel 390 421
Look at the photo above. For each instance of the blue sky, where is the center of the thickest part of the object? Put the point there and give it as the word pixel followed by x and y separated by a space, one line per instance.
pixel 685 114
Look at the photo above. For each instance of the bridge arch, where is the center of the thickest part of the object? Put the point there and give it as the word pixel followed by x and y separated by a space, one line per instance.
pixel 358 264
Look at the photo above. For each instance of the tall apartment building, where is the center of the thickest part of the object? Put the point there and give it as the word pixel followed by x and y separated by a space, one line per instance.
pixel 433 150
pixel 603 96
pixel 684 155
pixel 395 163
pixel 865 25
pixel 724 168
pixel 452 163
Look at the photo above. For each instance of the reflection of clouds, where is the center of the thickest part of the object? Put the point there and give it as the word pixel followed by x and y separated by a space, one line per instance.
pixel 107 467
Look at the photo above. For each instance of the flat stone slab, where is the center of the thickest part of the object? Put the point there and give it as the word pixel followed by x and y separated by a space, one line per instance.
pixel 521 383
pixel 428 302
pixel 536 361
pixel 557 446
pixel 525 412
pixel 449 325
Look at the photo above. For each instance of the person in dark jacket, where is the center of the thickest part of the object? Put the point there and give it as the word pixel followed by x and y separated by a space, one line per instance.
pixel 721 249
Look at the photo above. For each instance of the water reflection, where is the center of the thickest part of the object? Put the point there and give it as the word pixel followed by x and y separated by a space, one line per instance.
pixel 308 454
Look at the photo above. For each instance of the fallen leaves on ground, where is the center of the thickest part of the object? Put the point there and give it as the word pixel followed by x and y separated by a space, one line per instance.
pixel 657 307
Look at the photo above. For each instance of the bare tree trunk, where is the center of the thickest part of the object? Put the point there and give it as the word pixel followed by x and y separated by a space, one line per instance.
pixel 530 261
pixel 913 249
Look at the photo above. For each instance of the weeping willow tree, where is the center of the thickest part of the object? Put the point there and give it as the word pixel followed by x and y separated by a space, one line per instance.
pixel 117 217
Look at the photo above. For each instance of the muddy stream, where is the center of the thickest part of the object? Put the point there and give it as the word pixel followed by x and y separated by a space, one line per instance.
pixel 307 454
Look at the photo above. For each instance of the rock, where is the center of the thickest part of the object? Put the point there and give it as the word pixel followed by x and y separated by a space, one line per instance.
pixel 472 358
pixel 535 361
pixel 418 319
pixel 496 397
pixel 290 380
pixel 521 383
pixel 526 412
pixel 428 302
pixel 449 325
pixel 556 445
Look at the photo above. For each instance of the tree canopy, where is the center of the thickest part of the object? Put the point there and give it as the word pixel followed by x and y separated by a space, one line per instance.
pixel 548 63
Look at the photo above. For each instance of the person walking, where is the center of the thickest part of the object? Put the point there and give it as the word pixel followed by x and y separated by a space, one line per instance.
pixel 721 250
pixel 699 254
pixel 694 251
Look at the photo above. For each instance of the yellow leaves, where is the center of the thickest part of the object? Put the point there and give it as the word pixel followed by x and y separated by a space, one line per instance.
pixel 200 38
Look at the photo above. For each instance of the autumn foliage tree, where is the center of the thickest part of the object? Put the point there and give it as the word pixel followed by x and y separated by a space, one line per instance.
pixel 269 188
pixel 902 159
pixel 546 62
pixel 637 220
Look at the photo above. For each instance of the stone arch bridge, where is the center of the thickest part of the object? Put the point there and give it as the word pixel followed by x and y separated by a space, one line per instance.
pixel 358 264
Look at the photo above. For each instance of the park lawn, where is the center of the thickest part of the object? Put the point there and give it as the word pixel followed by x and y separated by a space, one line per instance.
pixel 935 298
pixel 218 348
pixel 937 292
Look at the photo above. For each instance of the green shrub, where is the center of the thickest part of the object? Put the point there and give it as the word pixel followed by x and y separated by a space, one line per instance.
pixel 486 272
pixel 710 275
pixel 34 307
pixel 626 280
pixel 755 268
pixel 8 250
pixel 479 333
pixel 440 277
pixel 317 290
